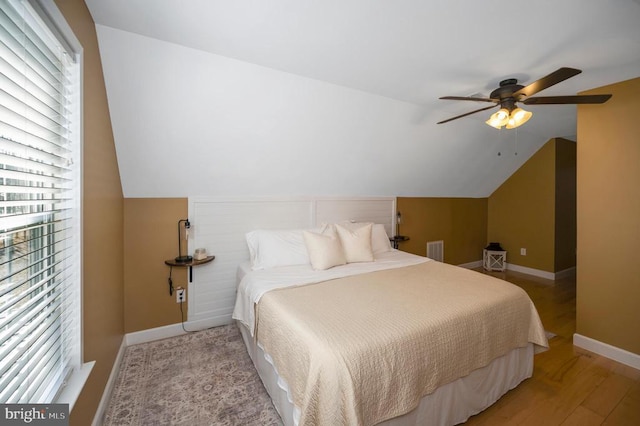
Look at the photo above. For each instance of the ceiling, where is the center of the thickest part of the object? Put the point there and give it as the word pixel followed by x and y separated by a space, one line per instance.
pixel 412 51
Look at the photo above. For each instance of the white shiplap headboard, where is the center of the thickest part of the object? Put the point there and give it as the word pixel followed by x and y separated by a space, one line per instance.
pixel 220 224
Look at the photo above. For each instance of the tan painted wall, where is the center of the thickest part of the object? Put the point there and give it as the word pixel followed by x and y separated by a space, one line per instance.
pixel 608 282
pixel 460 222
pixel 521 212
pixel 565 199
pixel 102 222
pixel 151 236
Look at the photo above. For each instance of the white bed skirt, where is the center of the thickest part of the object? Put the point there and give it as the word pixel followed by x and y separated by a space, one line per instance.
pixel 450 404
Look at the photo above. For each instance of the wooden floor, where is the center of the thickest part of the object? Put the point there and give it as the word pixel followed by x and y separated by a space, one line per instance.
pixel 570 386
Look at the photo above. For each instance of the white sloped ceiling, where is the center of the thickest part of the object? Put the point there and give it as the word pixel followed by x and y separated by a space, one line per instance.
pixel 250 98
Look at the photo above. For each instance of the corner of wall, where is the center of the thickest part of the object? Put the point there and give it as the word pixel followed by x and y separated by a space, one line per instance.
pixel 521 212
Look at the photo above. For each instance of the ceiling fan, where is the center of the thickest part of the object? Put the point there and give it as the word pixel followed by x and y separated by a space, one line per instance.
pixel 510 93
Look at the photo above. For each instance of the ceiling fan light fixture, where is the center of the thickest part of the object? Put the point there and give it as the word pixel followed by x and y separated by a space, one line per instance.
pixel 510 92
pixel 518 117
pixel 499 118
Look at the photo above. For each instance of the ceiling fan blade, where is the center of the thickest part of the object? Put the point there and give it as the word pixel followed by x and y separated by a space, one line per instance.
pixel 464 115
pixel 467 98
pixel 547 81
pixel 550 100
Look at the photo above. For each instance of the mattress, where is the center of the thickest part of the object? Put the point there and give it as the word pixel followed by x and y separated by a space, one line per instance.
pixel 254 284
pixel 450 404
pixel 333 374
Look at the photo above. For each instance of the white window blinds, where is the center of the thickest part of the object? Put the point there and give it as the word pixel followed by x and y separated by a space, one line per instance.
pixel 39 209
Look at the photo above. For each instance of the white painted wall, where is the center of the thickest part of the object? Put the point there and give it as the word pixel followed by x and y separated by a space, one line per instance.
pixel 191 123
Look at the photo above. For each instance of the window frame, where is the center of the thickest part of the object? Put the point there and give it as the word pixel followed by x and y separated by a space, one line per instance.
pixel 48 15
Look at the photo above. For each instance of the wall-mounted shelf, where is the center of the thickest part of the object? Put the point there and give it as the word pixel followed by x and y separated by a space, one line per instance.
pixel 190 264
pixel 398 239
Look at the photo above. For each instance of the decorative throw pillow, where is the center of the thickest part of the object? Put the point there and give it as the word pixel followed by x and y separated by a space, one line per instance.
pixel 325 250
pixel 379 239
pixel 356 243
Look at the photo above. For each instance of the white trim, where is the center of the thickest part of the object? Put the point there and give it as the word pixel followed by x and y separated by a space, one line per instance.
pixel 152 334
pixel 276 198
pixel 71 391
pixel 98 418
pixel 531 271
pixel 54 20
pixel 565 273
pixel 45 14
pixel 471 265
pixel 523 269
pixel 542 274
pixel 48 11
pixel 608 351
pixel 174 330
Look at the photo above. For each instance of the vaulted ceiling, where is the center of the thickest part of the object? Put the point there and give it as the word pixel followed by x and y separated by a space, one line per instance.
pixel 362 78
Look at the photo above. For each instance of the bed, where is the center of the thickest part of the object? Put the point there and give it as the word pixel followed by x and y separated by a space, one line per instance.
pixel 381 337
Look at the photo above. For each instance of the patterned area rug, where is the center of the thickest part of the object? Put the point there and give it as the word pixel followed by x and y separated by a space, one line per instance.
pixel 203 378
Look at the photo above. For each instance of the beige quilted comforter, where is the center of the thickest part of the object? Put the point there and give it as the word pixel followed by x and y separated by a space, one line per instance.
pixel 362 349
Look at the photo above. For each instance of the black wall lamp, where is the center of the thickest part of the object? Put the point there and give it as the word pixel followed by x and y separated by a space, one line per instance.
pixel 398 238
pixel 187 225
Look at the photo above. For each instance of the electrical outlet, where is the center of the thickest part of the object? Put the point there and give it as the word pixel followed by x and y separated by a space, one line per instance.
pixel 181 295
pixel 523 252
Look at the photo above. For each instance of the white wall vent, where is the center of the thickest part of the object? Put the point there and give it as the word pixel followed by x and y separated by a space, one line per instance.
pixel 435 250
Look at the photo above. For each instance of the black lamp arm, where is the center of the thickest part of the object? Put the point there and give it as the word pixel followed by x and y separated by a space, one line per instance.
pixel 180 257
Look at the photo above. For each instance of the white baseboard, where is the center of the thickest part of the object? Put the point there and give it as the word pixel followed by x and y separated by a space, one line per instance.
pixel 525 270
pixel 98 419
pixel 542 274
pixel 151 334
pixel 173 330
pixel 531 271
pixel 471 265
pixel 565 273
pixel 620 355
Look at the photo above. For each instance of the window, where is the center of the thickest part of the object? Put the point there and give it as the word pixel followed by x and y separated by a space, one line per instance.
pixel 40 193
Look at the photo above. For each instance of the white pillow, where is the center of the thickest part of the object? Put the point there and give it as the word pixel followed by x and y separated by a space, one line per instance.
pixel 272 248
pixel 356 243
pixel 379 239
pixel 325 250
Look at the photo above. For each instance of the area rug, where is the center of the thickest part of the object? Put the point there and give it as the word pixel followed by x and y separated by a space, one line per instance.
pixel 198 379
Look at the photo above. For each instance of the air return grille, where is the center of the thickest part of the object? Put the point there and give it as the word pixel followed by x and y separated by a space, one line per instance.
pixel 435 250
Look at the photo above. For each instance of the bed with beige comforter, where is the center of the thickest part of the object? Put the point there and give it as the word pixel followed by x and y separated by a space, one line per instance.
pixel 361 349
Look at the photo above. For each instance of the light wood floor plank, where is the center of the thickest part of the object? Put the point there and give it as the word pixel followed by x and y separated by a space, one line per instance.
pixel 570 386
pixel 583 417
pixel 608 395
pixel 625 413
pixel 634 392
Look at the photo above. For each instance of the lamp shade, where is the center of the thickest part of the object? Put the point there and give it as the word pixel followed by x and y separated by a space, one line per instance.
pixel 518 117
pixel 498 119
